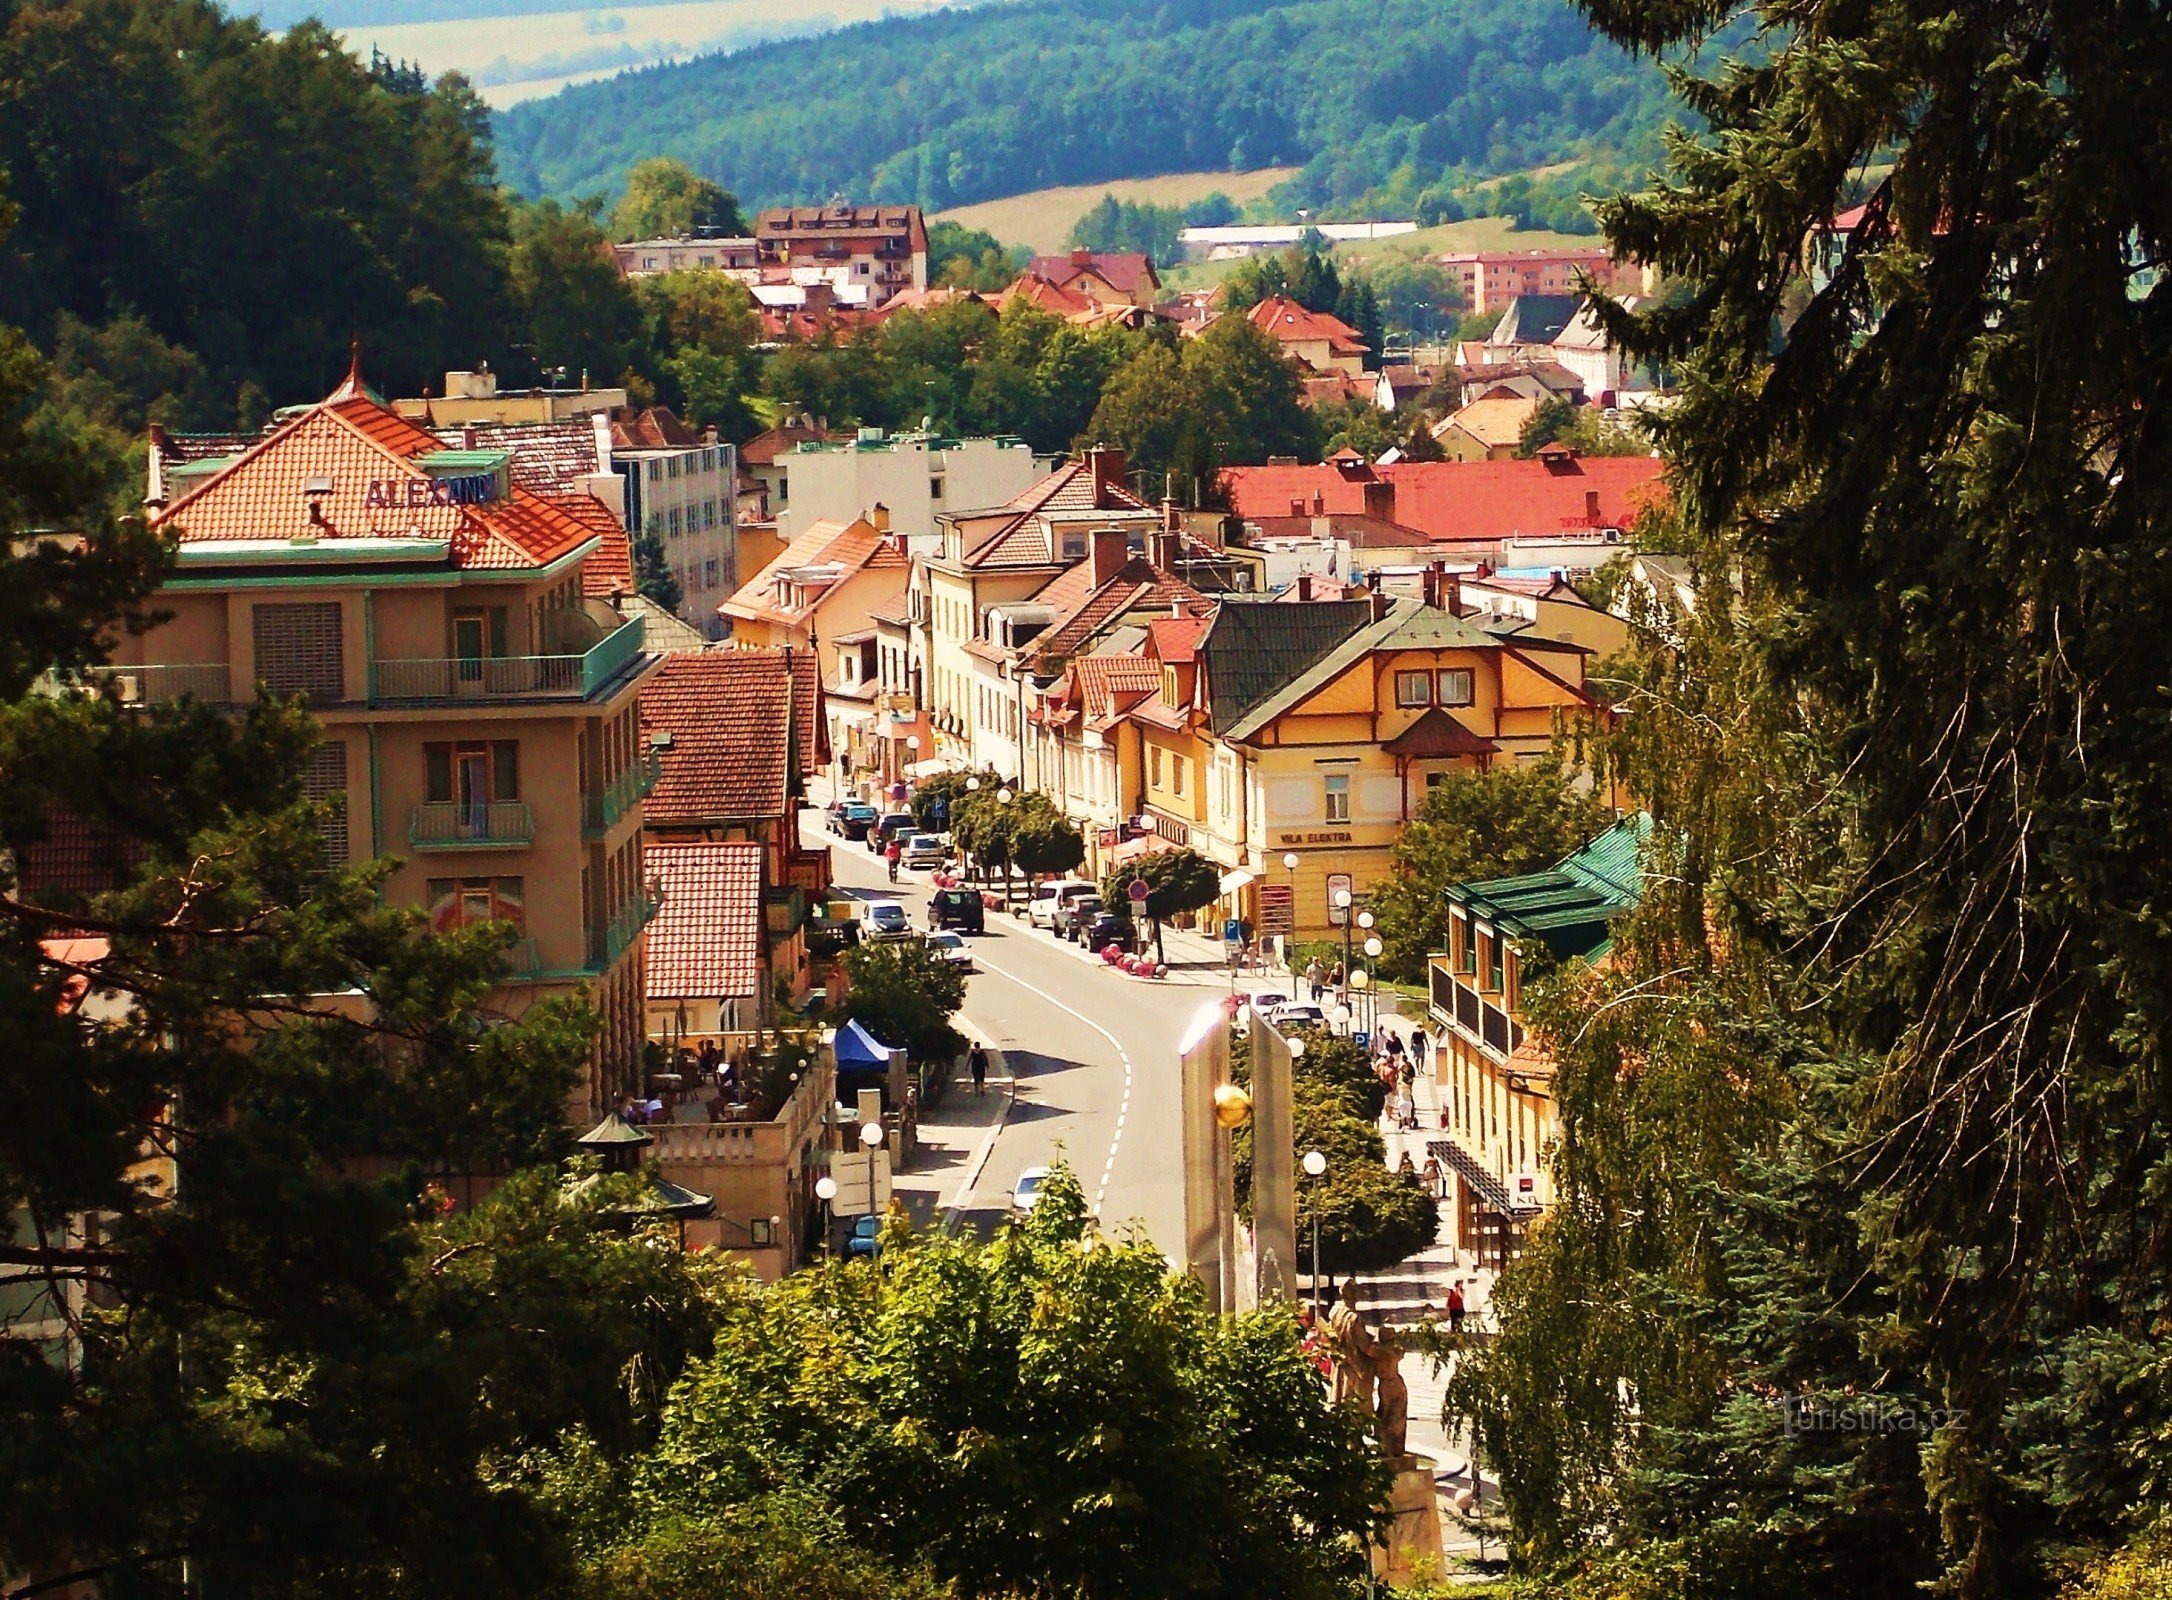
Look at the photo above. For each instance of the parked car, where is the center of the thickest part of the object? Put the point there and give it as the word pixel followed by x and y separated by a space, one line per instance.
pixel 865 1238
pixel 1285 1019
pixel 952 949
pixel 924 851
pixel 896 825
pixel 1104 930
pixel 1041 909
pixel 1027 1191
pixel 850 819
pixel 886 919
pixel 1073 914
pixel 960 909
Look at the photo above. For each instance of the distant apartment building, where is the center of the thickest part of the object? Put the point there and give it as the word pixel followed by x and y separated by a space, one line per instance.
pixel 477 702
pixel 1230 243
pixel 682 491
pixel 649 258
pixel 476 397
pixel 1490 279
pixel 1319 339
pixel 915 476
pixel 865 254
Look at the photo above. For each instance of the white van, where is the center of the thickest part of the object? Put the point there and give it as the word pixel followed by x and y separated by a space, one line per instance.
pixel 1041 909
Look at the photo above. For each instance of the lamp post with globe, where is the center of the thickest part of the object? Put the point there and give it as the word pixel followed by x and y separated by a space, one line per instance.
pixel 1315 1165
pixel 1289 949
pixel 1342 904
pixel 1373 947
pixel 826 1192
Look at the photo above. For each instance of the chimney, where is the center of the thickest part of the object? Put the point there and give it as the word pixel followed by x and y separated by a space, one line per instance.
pixel 1591 507
pixel 880 517
pixel 1082 257
pixel 1161 549
pixel 1451 591
pixel 1319 504
pixel 1380 500
pixel 1429 585
pixel 154 489
pixel 1304 586
pixel 599 423
pixel 1379 598
pixel 1106 463
pixel 1111 551
pixel 467 436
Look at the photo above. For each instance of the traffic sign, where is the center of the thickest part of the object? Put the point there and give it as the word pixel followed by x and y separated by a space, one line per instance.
pixel 1138 891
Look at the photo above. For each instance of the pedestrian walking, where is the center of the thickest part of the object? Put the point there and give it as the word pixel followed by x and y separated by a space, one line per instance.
pixel 978 1062
pixel 1419 1044
pixel 1435 1179
pixel 1313 976
pixel 1456 1307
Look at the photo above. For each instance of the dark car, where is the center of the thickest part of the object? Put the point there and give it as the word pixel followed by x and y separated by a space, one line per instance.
pixel 1072 915
pixel 895 825
pixel 1104 930
pixel 959 910
pixel 850 819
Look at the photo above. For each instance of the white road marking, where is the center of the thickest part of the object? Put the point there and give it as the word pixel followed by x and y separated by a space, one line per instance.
pixel 1117 1138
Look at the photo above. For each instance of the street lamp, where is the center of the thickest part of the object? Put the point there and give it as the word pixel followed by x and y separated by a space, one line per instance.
pixel 826 1192
pixel 1373 947
pixel 1342 904
pixel 972 786
pixel 1289 865
pixel 1315 1165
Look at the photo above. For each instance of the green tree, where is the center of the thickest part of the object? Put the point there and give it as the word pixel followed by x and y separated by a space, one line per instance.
pixel 574 310
pixel 1053 1412
pixel 936 803
pixel 1044 840
pixel 971 258
pixel 1513 818
pixel 667 199
pixel 905 995
pixel 1549 420
pixel 1176 881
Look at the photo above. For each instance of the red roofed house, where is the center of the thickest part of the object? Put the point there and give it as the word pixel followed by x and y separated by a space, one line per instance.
pixel 478 702
pixel 1562 510
pixel 1108 278
pixel 1320 340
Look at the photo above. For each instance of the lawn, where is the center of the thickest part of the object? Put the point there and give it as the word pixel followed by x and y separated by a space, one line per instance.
pixel 1041 220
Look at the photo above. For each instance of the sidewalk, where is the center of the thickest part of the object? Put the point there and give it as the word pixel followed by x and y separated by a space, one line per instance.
pixel 955 1140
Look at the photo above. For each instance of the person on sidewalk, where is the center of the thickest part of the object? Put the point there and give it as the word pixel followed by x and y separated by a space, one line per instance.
pixel 978 1062
pixel 1313 976
pixel 1456 1307
pixel 1435 1180
pixel 1419 1044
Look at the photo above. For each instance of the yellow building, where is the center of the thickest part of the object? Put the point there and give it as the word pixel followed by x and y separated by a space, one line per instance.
pixel 1331 762
pixel 478 707
pixel 1496 1083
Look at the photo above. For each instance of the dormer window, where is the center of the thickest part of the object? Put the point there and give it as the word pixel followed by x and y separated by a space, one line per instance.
pixel 1074 547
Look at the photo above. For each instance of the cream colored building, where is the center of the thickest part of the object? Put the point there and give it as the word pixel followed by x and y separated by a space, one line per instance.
pixel 478 709
pixel 476 397
pixel 913 476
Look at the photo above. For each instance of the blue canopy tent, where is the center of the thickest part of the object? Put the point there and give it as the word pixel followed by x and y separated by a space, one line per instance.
pixel 863 1062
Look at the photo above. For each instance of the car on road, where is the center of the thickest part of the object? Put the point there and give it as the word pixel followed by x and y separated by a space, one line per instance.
pixel 893 825
pixel 1288 1018
pixel 1041 909
pixel 850 819
pixel 952 949
pixel 1026 1192
pixel 865 1239
pixel 1073 914
pixel 886 920
pixel 959 909
pixel 1105 930
pixel 924 851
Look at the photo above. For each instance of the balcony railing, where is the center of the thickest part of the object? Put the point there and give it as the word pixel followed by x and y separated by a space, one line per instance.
pixel 206 681
pixel 1480 1019
pixel 481 825
pixel 607 943
pixel 572 677
pixel 600 812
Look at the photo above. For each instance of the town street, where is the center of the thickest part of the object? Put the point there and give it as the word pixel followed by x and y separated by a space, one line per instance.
pixel 1094 1053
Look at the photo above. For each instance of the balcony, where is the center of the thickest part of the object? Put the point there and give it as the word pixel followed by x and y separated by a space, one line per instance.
pixel 551 677
pixel 464 825
pixel 1471 1013
pixel 607 943
pixel 600 812
pixel 153 685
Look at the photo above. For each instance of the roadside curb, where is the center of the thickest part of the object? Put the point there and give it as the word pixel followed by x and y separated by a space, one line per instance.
pixel 954 1207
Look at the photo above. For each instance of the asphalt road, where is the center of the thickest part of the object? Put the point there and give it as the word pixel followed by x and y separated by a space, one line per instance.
pixel 1094 1053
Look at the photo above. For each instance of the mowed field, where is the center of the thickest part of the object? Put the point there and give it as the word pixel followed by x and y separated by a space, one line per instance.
pixel 1041 220
pixel 515 58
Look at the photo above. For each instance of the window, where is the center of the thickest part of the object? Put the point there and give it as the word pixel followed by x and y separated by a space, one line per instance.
pixel 705 261
pixel 1455 686
pixel 300 649
pixel 1177 775
pixel 1154 767
pixel 708 513
pixel 325 779
pixel 935 488
pixel 1433 780
pixel 656 470
pixel 1495 977
pixel 1414 688
pixel 1074 547
pixel 1337 785
pixel 464 902
pixel 674 522
pixel 671 467
pixel 711 572
pixel 473 772
pixel 1466 951
pixel 783 490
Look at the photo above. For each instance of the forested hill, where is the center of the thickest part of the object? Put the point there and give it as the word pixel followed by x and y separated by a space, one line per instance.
pixel 1369 95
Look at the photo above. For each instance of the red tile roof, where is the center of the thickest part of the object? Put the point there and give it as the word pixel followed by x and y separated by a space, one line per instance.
pixel 608 569
pixel 1176 639
pixel 1043 292
pixel 726 712
pixel 764 448
pixel 1463 499
pixel 1286 320
pixel 1125 271
pixel 656 428
pixel 1138 585
pixel 1109 686
pixel 1025 540
pixel 857 546
pixel 355 444
pixel 547 457
pixel 706 940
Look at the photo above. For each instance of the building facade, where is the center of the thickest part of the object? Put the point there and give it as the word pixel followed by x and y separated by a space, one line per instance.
pixel 863 254
pixel 1490 279
pixel 915 477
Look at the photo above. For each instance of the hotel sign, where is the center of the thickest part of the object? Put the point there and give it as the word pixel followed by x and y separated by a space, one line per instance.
pixel 393 494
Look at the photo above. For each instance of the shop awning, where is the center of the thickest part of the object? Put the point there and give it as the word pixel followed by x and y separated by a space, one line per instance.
pixel 1236 878
pixel 927 769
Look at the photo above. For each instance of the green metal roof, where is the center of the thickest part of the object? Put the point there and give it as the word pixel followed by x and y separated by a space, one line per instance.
pixel 1567 908
pixel 462 460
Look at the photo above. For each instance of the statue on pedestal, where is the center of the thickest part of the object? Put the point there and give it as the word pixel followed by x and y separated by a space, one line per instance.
pixel 1392 1427
pixel 1350 1348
